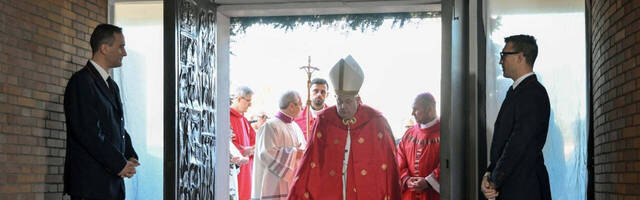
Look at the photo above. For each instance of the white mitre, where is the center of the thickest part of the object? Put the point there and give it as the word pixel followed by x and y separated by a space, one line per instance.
pixel 346 76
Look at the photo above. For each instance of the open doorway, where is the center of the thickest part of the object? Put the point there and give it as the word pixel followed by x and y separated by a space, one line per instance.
pixel 399 62
pixel 278 64
pixel 186 41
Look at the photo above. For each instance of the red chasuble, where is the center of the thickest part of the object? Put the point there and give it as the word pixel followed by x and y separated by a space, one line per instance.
pixel 419 156
pixel 302 121
pixel 372 172
pixel 245 136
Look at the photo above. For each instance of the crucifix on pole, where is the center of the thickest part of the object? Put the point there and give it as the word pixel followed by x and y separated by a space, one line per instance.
pixel 309 70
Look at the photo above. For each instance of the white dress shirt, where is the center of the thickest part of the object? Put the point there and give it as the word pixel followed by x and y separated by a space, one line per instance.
pixel 519 80
pixel 104 74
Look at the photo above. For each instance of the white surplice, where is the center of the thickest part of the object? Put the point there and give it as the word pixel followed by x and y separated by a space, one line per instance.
pixel 276 158
pixel 233 172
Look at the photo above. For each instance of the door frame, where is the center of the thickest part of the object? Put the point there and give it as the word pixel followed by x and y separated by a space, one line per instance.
pixel 452 183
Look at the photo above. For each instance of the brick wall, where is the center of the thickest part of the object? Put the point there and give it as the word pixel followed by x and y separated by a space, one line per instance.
pixel 41 44
pixel 616 95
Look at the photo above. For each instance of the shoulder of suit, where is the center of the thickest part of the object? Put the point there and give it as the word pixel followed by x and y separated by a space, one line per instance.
pixel 82 75
pixel 530 86
pixel 533 91
pixel 537 85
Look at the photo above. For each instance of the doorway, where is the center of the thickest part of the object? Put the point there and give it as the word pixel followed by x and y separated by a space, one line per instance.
pixel 231 9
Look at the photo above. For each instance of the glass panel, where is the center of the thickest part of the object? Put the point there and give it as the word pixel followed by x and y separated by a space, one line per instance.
pixel 140 81
pixel 559 28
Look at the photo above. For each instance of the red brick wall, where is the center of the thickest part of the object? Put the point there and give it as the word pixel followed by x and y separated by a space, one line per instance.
pixel 616 98
pixel 41 44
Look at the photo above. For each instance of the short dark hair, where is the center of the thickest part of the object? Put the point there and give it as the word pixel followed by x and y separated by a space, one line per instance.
pixel 103 34
pixel 525 44
pixel 319 81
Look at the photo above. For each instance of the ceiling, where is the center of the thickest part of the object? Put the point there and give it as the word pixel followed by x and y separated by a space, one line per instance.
pixel 244 8
pixel 235 2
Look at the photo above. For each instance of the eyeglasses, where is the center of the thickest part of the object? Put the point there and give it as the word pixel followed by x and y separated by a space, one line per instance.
pixel 248 100
pixel 502 54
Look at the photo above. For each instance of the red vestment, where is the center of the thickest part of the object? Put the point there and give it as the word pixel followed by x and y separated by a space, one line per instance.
pixel 245 136
pixel 302 120
pixel 372 172
pixel 419 156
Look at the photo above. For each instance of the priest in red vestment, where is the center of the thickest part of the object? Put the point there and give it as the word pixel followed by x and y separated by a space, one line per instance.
pixel 319 93
pixel 243 139
pixel 351 154
pixel 419 152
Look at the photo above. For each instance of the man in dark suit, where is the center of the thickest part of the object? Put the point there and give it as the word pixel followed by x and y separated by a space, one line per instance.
pixel 99 151
pixel 517 169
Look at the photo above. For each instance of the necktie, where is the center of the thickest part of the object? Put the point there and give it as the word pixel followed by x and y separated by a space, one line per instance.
pixel 509 92
pixel 112 86
pixel 114 89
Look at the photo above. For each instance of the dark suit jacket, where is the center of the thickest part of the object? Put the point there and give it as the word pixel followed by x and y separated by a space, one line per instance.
pixel 517 165
pixel 97 144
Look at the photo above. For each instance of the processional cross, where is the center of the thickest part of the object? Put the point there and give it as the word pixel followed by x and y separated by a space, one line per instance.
pixel 309 70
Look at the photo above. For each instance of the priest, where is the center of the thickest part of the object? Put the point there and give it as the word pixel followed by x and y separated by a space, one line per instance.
pixel 244 137
pixel 419 152
pixel 279 147
pixel 319 92
pixel 351 148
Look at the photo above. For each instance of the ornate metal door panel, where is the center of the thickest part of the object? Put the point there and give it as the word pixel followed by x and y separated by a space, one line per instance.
pixel 190 73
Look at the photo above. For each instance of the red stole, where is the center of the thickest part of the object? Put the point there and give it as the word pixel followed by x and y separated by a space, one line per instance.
pixel 302 120
pixel 419 155
pixel 245 136
pixel 372 171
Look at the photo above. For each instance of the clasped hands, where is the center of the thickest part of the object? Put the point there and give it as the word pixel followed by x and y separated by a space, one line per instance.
pixel 488 188
pixel 130 169
pixel 239 160
pixel 417 184
pixel 248 150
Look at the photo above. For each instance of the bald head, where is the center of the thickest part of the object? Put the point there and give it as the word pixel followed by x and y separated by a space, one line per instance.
pixel 424 108
pixel 425 99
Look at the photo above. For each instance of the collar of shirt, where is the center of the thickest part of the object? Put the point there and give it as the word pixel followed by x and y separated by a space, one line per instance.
pixel 314 113
pixel 519 80
pixel 284 117
pixel 429 124
pixel 104 74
